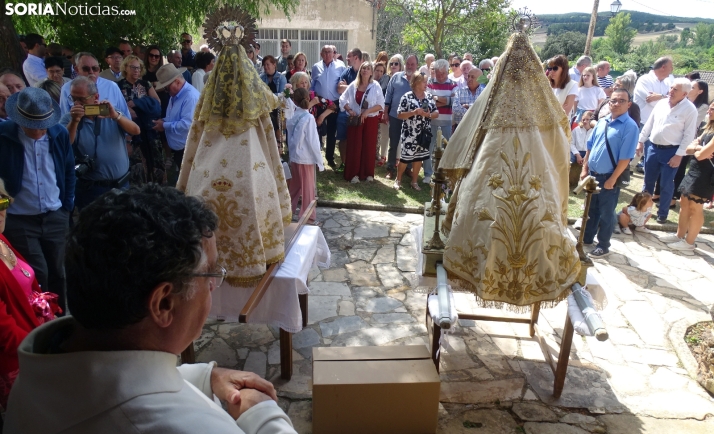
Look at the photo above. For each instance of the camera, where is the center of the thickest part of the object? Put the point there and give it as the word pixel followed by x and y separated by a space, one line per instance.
pixel 83 165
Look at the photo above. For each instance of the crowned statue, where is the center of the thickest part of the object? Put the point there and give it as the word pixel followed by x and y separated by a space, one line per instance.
pixel 231 157
pixel 508 161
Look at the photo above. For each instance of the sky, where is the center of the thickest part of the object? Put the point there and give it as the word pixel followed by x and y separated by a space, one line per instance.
pixel 679 8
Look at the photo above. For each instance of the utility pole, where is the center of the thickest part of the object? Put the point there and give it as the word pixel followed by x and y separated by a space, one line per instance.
pixel 591 29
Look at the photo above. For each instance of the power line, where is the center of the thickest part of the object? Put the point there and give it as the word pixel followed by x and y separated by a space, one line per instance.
pixel 656 10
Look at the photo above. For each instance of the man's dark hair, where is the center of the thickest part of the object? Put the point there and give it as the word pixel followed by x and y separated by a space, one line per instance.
pixel 257 45
pixel 54 49
pixel 6 71
pixel 123 41
pixel 657 65
pixel 625 91
pixel 111 50
pixel 356 52
pixel 126 243
pixel 32 39
pixel 203 59
pixel 288 41
pixel 54 61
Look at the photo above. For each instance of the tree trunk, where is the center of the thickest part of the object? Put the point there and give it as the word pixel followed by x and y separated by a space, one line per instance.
pixel 10 51
pixel 591 29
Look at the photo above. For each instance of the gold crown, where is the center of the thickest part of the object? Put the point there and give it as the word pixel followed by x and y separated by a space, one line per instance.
pixel 222 184
pixel 229 25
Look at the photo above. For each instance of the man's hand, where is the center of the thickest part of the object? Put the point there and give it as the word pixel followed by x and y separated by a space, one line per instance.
pixel 158 125
pixel 248 398
pixel 578 158
pixel 674 161
pixel 610 183
pixel 385 117
pixel 77 112
pixel 112 112
pixel 653 97
pixel 640 148
pixel 227 385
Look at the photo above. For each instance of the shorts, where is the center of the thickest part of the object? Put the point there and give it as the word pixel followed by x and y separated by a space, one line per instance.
pixel 342 126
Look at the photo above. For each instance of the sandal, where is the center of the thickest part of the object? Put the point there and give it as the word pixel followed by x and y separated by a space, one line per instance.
pixel 415 186
pixel 397 185
pixel 382 161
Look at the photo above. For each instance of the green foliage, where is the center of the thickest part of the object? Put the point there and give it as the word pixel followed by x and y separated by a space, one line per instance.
pixel 156 22
pixel 704 35
pixel 619 34
pixel 572 44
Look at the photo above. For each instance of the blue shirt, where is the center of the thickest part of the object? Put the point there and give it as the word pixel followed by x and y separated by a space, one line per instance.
pixel 39 192
pixel 278 80
pixel 34 69
pixel 108 90
pixel 463 96
pixel 622 133
pixel 397 87
pixel 325 79
pixel 188 58
pixel 103 141
pixel 179 115
pixel 349 75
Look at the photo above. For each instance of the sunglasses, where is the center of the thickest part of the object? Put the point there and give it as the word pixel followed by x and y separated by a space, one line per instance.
pixel 455 65
pixel 486 69
pixel 4 203
pixel 90 68
pixel 154 56
pixel 552 68
pixel 69 57
pixel 394 64
pixel 81 98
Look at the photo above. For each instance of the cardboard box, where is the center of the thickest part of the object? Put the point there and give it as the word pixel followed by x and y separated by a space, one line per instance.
pixel 374 390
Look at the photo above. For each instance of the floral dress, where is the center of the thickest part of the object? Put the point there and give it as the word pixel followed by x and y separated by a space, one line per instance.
pixel 146 161
pixel 413 126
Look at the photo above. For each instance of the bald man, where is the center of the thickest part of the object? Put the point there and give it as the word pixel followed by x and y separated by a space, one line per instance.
pixel 465 97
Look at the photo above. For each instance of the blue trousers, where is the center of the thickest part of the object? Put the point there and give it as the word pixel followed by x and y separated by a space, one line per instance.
pixel 657 166
pixel 602 214
pixel 446 133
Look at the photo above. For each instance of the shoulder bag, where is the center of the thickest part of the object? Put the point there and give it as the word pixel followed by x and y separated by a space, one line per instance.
pixel 424 137
pixel 623 180
pixel 355 121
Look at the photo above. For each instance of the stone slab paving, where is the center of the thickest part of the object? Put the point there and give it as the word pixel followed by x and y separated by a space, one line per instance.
pixel 494 376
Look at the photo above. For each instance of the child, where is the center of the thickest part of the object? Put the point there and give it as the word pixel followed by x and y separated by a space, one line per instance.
pixel 579 140
pixel 304 148
pixel 637 213
pixel 590 94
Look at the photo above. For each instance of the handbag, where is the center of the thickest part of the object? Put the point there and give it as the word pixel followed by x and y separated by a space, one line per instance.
pixel 355 121
pixel 623 180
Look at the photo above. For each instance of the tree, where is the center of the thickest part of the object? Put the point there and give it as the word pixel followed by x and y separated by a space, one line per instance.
pixel 619 33
pixel 434 22
pixel 390 25
pixel 154 22
pixel 571 44
pixel 685 37
pixel 10 50
pixel 704 35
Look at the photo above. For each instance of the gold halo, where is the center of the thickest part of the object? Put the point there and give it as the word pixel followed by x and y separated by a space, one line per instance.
pixel 239 24
pixel 524 21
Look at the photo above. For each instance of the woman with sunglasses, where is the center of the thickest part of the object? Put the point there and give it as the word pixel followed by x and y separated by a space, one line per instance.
pixel 565 89
pixel 154 61
pixel 396 64
pixel 456 75
pixel 18 316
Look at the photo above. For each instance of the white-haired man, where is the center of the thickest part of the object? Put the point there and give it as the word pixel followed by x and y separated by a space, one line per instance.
pixel 577 69
pixel 443 88
pixel 88 66
pixel 426 68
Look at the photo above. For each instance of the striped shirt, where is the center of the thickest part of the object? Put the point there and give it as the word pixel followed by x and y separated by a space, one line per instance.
pixel 606 81
pixel 446 89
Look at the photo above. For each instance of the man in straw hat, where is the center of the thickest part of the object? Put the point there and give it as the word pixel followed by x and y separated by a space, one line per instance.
pixel 179 113
pixel 37 164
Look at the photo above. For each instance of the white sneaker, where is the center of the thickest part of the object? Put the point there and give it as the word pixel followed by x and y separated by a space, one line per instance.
pixel 426 180
pixel 578 223
pixel 682 245
pixel 618 230
pixel 642 229
pixel 369 179
pixel 670 239
pixel 444 205
pixel 355 180
pixel 626 231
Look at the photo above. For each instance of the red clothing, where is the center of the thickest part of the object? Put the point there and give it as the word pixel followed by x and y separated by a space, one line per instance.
pixel 302 184
pixel 17 319
pixel 361 149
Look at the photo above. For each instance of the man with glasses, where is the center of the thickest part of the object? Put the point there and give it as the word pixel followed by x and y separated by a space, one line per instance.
pixel 141 268
pixel 113 57
pixel 88 66
pixel 34 65
pixel 618 132
pixel 99 139
pixel 55 71
pixel 188 56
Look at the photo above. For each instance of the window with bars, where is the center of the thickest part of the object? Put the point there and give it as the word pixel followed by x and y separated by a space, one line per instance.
pixel 309 42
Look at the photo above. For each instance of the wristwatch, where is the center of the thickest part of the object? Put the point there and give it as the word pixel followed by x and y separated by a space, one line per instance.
pixel 119 115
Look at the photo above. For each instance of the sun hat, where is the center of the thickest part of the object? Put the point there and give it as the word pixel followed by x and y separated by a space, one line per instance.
pixel 33 108
pixel 167 74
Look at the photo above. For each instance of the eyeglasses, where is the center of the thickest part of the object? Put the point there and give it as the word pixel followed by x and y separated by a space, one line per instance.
pixel 154 56
pixel 394 64
pixel 485 69
pixel 619 101
pixel 4 203
pixel 90 68
pixel 220 277
pixel 115 57
pixel 186 41
pixel 135 68
pixel 552 68
pixel 455 65
pixel 68 57
pixel 81 98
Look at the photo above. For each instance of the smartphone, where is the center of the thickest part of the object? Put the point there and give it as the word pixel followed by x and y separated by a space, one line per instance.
pixel 425 105
pixel 96 110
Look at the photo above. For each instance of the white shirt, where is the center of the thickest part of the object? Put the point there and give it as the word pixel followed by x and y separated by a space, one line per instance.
pixel 571 88
pixel 579 139
pixel 34 69
pixel 373 94
pixel 646 84
pixel 574 74
pixel 197 79
pixel 303 140
pixel 588 97
pixel 671 126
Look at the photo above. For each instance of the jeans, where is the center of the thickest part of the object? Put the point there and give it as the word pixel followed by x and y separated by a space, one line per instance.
pixel 602 214
pixel 85 196
pixel 445 133
pixel 331 123
pixel 657 166
pixel 572 156
pixel 395 134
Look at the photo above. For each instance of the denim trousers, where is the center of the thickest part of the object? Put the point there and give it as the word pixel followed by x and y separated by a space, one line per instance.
pixel 657 166
pixel 446 133
pixel 601 217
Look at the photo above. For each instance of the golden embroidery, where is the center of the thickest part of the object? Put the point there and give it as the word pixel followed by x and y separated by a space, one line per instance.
pixel 226 209
pixel 260 165
pixel 224 162
pixel 244 142
pixel 206 173
pixel 207 143
pixel 271 195
pixel 239 174
pixel 222 184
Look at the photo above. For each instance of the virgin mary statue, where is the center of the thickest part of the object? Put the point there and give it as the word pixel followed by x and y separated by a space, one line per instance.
pixel 506 223
pixel 232 161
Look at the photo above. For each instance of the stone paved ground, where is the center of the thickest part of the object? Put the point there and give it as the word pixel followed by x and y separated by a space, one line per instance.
pixel 494 374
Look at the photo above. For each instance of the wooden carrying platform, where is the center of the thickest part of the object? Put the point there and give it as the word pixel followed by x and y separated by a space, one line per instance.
pixel 286 341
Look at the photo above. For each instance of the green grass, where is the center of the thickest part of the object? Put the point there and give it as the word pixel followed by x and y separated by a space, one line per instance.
pixel 331 186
